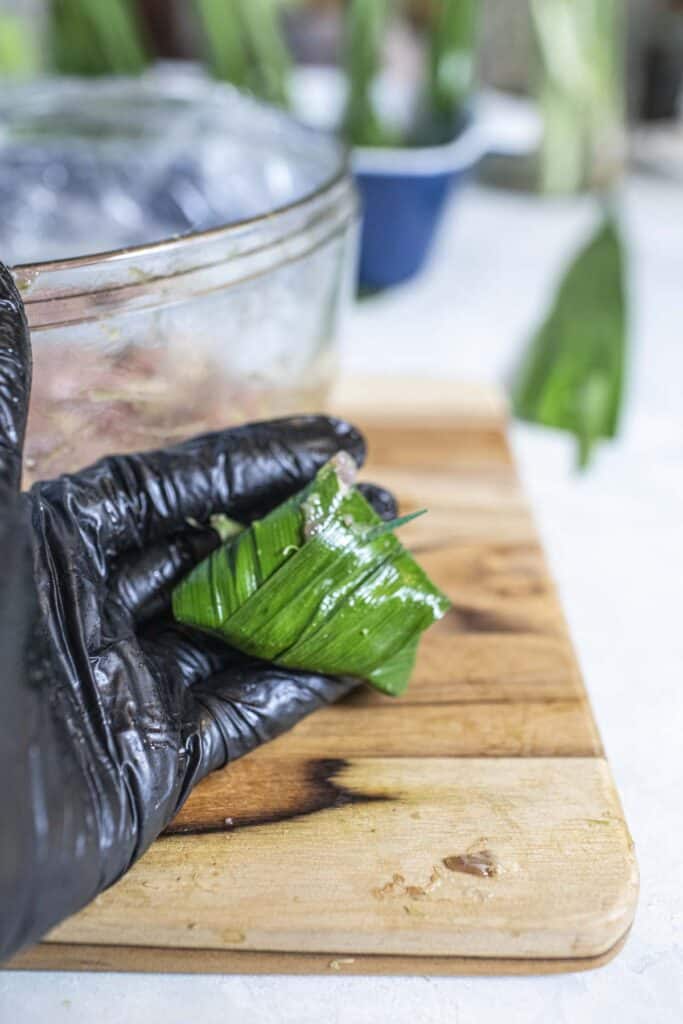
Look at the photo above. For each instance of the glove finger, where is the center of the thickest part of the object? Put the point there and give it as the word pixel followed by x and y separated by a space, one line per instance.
pixel 243 707
pixel 240 701
pixel 133 500
pixel 184 654
pixel 143 582
pixel 15 381
pixel 383 501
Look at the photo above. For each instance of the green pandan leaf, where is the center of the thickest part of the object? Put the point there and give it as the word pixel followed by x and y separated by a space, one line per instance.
pixel 321 583
pixel 572 376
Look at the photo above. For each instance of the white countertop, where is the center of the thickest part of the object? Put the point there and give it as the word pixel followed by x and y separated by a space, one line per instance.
pixel 615 542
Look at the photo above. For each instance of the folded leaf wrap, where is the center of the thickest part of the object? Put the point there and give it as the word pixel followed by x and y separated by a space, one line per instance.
pixel 320 583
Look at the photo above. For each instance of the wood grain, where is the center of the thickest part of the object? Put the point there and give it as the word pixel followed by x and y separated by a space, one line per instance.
pixel 471 827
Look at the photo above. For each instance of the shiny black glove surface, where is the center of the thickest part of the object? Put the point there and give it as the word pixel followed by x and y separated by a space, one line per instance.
pixel 111 712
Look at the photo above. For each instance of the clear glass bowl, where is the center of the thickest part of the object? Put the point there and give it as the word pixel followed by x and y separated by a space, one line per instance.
pixel 224 306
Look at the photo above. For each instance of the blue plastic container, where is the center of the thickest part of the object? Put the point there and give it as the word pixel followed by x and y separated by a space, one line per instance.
pixel 403 193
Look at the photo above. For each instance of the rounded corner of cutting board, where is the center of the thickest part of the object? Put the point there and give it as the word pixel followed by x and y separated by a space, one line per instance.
pixel 607 927
pixel 605 930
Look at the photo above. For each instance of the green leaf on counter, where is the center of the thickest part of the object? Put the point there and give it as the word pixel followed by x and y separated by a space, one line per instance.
pixel 320 583
pixel 573 374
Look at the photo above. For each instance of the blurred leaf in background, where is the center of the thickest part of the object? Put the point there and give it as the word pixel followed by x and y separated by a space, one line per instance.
pixel 19 52
pixel 573 374
pixel 365 29
pixel 97 37
pixel 246 45
pixel 580 90
pixel 448 30
pixel 450 73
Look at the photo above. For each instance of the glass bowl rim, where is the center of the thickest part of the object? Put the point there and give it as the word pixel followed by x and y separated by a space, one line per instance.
pixel 341 172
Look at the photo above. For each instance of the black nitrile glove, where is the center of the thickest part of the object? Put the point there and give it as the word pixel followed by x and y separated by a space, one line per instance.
pixel 110 713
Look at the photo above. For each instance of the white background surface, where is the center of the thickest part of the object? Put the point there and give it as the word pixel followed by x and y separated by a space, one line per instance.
pixel 615 542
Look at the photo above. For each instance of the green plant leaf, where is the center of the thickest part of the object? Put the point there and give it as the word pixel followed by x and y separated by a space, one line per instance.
pixel 223 28
pixel 572 376
pixel 365 27
pixel 450 70
pixel 93 37
pixel 579 81
pixel 18 46
pixel 246 45
pixel 321 583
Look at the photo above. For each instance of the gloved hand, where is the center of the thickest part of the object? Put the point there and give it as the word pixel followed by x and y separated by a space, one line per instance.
pixel 110 712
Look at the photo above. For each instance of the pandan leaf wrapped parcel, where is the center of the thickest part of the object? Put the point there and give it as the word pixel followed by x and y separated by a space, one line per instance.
pixel 321 583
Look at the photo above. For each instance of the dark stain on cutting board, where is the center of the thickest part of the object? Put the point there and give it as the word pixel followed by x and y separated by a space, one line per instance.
pixel 268 793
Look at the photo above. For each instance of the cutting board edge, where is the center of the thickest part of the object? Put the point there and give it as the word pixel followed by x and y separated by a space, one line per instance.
pixel 50 956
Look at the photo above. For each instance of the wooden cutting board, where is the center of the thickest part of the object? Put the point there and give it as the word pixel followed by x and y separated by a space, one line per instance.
pixel 470 827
